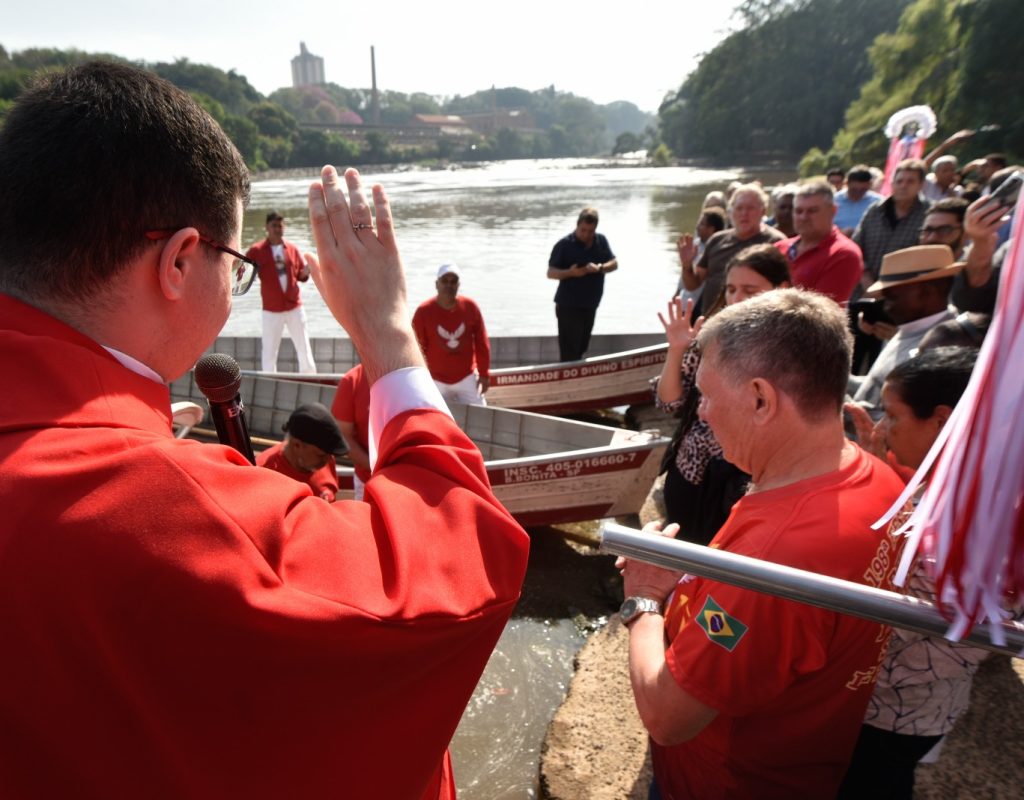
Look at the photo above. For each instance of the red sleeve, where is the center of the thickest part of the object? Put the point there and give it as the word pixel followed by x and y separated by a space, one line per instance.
pixel 481 345
pixel 756 634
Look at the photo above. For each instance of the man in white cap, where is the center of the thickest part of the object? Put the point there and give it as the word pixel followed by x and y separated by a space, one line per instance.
pixel 914 285
pixel 453 338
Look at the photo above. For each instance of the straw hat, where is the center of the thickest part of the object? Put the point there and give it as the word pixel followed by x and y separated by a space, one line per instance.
pixel 925 262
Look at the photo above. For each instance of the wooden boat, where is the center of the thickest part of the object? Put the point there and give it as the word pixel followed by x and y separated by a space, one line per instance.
pixel 525 372
pixel 543 469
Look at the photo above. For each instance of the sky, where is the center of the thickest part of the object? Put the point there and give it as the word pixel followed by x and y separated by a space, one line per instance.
pixel 602 50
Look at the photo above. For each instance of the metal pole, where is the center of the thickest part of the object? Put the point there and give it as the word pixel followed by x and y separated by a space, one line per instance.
pixel 823 591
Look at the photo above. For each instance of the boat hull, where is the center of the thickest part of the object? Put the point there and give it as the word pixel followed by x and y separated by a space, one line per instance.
pixel 543 469
pixel 524 375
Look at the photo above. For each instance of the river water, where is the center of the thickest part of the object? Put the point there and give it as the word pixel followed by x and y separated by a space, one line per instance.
pixel 499 222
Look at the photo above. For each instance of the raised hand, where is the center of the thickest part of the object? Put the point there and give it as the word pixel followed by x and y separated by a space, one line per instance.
pixel 680 329
pixel 687 249
pixel 359 272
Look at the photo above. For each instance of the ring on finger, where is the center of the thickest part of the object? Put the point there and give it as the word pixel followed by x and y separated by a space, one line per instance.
pixel 363 226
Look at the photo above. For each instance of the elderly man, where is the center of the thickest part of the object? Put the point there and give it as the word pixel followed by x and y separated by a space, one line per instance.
pixel 736 688
pixel 914 285
pixel 853 201
pixel 820 257
pixel 312 440
pixel 895 222
pixel 746 209
pixel 198 626
pixel 941 183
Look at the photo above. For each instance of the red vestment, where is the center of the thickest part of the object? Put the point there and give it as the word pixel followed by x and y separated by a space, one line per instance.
pixel 179 623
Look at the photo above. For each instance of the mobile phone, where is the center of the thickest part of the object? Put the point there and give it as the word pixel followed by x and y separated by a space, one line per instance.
pixel 873 310
pixel 1007 192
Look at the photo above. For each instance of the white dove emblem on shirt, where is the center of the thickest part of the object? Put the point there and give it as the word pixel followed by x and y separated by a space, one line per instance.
pixel 452 337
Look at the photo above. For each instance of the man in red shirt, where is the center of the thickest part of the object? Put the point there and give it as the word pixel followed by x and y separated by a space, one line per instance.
pixel 177 622
pixel 281 268
pixel 312 440
pixel 745 694
pixel 821 257
pixel 351 407
pixel 452 335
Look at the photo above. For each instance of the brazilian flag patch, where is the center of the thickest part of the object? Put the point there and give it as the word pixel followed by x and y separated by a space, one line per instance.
pixel 719 626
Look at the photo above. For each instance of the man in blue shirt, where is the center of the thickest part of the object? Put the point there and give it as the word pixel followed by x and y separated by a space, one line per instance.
pixel 579 263
pixel 855 199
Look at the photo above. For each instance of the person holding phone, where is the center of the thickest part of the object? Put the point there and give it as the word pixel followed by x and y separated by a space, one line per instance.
pixel 975 288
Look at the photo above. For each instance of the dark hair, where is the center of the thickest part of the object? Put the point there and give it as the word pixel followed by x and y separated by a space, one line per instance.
pixel 766 260
pixel 933 378
pixel 998 160
pixel 587 215
pixel 273 216
pixel 967 330
pixel 835 171
pixel 798 340
pixel 93 157
pixel 912 165
pixel 715 217
pixel 956 206
pixel 859 173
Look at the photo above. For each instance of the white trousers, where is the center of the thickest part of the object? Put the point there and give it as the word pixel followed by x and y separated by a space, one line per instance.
pixel 465 391
pixel 274 323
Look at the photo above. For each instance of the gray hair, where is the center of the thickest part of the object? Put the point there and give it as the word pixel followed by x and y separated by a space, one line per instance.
pixel 749 188
pixel 946 160
pixel 816 189
pixel 798 341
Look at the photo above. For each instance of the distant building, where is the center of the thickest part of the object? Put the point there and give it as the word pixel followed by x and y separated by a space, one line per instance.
pixel 444 124
pixel 490 122
pixel 307 69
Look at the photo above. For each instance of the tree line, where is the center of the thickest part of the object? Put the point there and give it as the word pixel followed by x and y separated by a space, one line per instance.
pixel 270 131
pixel 819 79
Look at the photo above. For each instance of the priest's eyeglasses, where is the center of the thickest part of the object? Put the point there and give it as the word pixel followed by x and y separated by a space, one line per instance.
pixel 243 269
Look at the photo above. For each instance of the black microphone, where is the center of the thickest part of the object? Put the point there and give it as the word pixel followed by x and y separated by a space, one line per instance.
pixel 219 377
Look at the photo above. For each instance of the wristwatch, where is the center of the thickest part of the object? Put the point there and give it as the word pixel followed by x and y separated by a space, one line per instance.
pixel 633 607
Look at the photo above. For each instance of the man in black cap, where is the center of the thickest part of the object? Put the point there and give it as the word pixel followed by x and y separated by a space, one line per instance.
pixel 312 439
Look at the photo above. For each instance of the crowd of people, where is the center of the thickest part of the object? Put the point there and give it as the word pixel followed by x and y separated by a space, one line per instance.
pixel 179 623
pixel 738 689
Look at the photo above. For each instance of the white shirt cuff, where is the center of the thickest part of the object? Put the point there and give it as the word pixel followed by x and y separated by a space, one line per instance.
pixel 399 391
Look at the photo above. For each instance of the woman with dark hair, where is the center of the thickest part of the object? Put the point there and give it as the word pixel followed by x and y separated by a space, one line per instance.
pixel 701 486
pixel 924 682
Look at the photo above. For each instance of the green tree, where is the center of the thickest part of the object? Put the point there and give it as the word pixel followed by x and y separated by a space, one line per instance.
pixel 272 120
pixel 953 57
pixel 781 84
pixel 626 143
pixel 246 137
